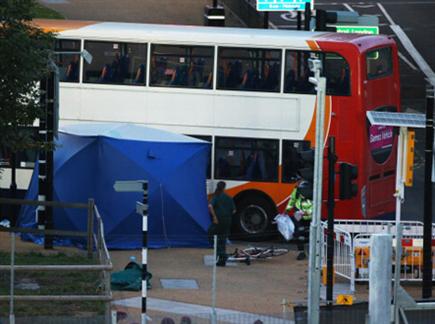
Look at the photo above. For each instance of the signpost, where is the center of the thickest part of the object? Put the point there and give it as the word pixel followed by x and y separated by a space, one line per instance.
pixel 283 5
pixel 141 208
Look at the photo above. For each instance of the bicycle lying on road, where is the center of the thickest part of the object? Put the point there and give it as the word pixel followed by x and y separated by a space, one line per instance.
pixel 255 253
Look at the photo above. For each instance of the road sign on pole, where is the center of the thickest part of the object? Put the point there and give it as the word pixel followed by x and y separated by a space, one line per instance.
pixel 283 5
pixel 141 208
pixel 369 30
pixel 129 186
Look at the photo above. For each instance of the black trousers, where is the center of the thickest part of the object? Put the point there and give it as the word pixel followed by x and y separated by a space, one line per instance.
pixel 223 233
pixel 302 232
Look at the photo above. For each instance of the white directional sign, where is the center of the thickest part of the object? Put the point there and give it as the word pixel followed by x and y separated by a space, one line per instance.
pixel 283 5
pixel 129 186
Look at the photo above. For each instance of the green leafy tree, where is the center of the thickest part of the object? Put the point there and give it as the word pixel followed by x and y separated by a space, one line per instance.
pixel 25 51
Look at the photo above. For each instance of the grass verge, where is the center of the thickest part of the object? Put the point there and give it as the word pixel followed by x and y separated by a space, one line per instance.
pixel 51 283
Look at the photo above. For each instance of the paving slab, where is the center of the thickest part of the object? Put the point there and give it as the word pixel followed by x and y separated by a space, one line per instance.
pixel 179 284
pixel 179 308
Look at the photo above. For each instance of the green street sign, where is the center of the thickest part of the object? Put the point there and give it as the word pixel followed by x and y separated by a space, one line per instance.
pixel 370 30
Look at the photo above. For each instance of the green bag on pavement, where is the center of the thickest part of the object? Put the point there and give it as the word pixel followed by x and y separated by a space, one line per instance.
pixel 130 278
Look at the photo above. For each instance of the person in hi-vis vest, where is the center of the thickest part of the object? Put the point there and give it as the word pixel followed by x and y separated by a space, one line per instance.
pixel 300 201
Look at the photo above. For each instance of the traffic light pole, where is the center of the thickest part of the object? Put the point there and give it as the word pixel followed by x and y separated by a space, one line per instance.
pixel 307 15
pixel 332 159
pixel 427 229
pixel 315 230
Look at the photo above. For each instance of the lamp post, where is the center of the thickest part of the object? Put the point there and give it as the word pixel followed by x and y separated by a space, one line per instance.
pixel 315 230
pixel 48 128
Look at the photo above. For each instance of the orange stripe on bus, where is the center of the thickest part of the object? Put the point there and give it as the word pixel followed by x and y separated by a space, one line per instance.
pixel 311 133
pixel 313 45
pixel 278 192
pixel 52 25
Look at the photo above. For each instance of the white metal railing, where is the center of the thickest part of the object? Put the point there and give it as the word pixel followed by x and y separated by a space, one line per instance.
pixel 352 248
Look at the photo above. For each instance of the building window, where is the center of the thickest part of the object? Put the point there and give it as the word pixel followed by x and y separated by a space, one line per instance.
pixel 249 69
pixel 68 64
pixel 116 63
pixel 246 159
pixel 182 66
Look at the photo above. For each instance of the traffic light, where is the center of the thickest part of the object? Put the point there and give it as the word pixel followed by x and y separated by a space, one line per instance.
pixel 306 172
pixel 323 18
pixel 214 16
pixel 306 165
pixel 330 20
pixel 348 175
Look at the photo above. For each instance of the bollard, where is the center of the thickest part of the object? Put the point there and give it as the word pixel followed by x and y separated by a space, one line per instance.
pixel 114 317
pixel 380 279
pixel 144 252
pixel 12 292
pixel 213 284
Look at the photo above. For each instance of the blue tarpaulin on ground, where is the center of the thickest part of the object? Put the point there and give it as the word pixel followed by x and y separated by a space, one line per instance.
pixel 89 159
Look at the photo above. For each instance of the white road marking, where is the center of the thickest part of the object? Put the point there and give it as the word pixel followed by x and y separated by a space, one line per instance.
pixel 287 26
pixel 271 24
pixel 412 66
pixel 348 7
pixel 364 6
pixel 410 48
pixel 386 14
pixel 421 63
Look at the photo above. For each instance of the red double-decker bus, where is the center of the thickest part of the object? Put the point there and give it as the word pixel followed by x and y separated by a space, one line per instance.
pixel 247 92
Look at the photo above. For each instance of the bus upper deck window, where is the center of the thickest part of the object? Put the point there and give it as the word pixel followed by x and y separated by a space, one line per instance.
pixel 116 63
pixel 249 69
pixel 182 66
pixel 297 73
pixel 379 63
pixel 68 64
pixel 337 75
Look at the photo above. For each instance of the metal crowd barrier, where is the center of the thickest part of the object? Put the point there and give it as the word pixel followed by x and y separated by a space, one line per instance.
pixel 96 248
pixel 352 248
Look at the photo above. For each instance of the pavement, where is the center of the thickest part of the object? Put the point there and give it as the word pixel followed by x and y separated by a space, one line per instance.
pixel 265 290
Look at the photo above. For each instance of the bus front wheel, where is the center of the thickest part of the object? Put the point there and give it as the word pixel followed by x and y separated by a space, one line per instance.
pixel 253 220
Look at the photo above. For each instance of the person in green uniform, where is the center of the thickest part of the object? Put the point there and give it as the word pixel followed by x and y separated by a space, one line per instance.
pixel 300 201
pixel 222 208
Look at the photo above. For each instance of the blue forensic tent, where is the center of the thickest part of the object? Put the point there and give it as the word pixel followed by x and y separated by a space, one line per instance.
pixel 91 157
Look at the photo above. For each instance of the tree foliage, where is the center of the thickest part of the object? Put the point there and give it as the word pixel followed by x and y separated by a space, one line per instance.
pixel 25 52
